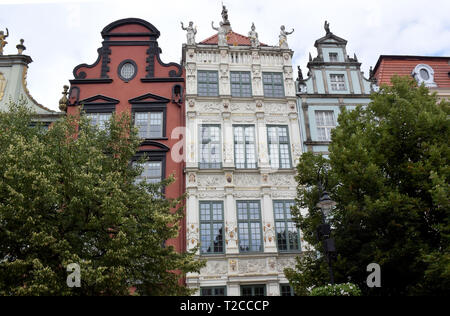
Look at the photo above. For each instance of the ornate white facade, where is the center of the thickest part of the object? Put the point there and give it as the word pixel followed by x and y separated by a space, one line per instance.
pixel 228 184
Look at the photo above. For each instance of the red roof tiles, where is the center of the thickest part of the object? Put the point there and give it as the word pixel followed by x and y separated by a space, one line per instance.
pixel 233 39
pixel 388 66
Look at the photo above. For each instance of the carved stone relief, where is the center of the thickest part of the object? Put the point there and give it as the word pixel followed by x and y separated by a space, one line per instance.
pixel 192 235
pixel 247 180
pixel 231 238
pixel 269 234
pixel 210 180
pixel 282 180
pixel 215 267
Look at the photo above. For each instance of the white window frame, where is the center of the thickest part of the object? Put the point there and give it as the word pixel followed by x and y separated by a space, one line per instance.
pixel 323 123
pixel 336 84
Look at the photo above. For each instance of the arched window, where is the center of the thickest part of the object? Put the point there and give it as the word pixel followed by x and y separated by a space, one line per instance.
pixel 423 73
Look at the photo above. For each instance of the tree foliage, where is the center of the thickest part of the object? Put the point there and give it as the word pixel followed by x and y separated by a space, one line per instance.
pixel 389 174
pixel 69 195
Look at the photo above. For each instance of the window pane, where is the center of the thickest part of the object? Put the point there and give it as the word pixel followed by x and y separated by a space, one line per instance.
pixel 211 227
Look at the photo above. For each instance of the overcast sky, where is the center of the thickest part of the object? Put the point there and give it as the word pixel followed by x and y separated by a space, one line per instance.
pixel 60 34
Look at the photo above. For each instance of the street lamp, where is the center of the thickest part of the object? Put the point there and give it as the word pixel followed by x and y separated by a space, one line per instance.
pixel 324 231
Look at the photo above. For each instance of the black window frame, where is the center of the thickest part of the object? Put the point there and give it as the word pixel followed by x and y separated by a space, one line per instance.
pixel 241 84
pixel 253 287
pixel 209 164
pixel 213 289
pixel 148 108
pixel 248 223
pixel 279 148
pixel 283 293
pixel 286 221
pixel 207 83
pixel 211 223
pixel 272 84
pixel 245 146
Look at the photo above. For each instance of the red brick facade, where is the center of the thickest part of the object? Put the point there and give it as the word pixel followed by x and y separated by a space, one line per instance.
pixel 129 76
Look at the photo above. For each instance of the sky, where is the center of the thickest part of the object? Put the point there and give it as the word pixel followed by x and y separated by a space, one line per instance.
pixel 60 34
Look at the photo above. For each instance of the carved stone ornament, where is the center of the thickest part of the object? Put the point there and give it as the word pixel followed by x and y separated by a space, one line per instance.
pixel 191 103
pixel 233 265
pixel 282 180
pixel 247 180
pixel 192 177
pixel 229 177
pixel 231 234
pixel 215 267
pixel 209 180
pixel 269 233
pixel 192 235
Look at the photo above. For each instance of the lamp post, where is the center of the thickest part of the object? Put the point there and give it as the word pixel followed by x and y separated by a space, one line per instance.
pixel 324 231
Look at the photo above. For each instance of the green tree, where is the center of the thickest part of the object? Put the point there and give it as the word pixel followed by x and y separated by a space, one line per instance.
pixel 67 199
pixel 389 174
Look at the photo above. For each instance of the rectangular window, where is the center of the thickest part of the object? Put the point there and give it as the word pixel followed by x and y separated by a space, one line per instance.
pixel 288 235
pixel 333 57
pixel 253 290
pixel 210 147
pixel 99 119
pixel 249 225
pixel 244 147
pixel 211 227
pixel 213 291
pixel 279 151
pixel 152 172
pixel 337 82
pixel 208 83
pixel 273 84
pixel 286 290
pixel 150 124
pixel 325 123
pixel 241 84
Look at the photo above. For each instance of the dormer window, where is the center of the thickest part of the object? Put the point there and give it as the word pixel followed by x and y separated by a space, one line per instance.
pixel 333 57
pixel 423 73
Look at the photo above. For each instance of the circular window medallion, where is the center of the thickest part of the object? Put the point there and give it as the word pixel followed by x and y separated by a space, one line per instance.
pixel 424 74
pixel 127 70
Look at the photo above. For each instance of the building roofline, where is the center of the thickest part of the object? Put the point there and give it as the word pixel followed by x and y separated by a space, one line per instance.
pixel 405 57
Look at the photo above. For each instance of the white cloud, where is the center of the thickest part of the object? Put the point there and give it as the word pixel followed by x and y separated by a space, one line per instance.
pixel 61 34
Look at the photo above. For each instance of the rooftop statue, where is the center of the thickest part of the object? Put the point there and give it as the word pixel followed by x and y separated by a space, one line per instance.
pixel 191 31
pixel 253 35
pixel 2 40
pixel 327 27
pixel 222 33
pixel 283 37
pixel 225 15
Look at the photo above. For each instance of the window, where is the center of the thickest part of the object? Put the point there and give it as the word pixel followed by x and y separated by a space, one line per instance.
pixel 99 119
pixel 286 290
pixel 127 70
pixel 279 152
pixel 249 225
pixel 273 84
pixel 213 291
pixel 241 84
pixel 337 82
pixel 211 227
pixel 152 173
pixel 208 83
pixel 423 73
pixel 244 147
pixel 288 235
pixel 253 290
pixel 325 123
pixel 150 124
pixel 210 147
pixel 333 57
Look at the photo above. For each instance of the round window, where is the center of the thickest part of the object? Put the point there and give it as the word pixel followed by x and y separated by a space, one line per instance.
pixel 127 71
pixel 424 74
